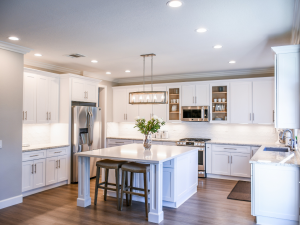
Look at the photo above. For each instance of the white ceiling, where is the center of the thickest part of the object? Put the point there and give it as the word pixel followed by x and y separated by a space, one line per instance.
pixel 116 32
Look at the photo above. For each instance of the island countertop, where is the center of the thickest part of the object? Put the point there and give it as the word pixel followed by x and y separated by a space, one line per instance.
pixel 136 153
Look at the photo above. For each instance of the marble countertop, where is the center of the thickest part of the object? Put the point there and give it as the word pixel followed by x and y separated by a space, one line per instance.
pixel 140 138
pixel 42 147
pixel 291 158
pixel 136 152
pixel 245 143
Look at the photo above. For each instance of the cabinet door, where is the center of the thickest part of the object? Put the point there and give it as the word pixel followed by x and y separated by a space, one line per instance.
pixel 188 95
pixel 202 95
pixel 27 175
pixel 132 110
pixel 39 173
pixel 160 109
pixel 168 184
pixel 119 105
pixel 208 158
pixel 240 165
pixel 91 92
pixel 263 102
pixel 62 168
pixel 220 163
pixel 51 170
pixel 241 102
pixel 78 90
pixel 29 98
pixel 53 99
pixel 145 111
pixel 42 99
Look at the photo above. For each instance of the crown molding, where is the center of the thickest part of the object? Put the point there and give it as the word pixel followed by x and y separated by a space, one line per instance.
pixel 296 24
pixel 97 76
pixel 40 72
pixel 200 75
pixel 14 48
pixel 286 49
pixel 51 67
pixel 70 75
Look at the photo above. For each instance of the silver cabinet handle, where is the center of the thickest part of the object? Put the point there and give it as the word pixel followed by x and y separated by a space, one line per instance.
pixel 32 168
pixel 26 115
pixel 56 164
pixel 59 164
pixel 273 116
pixel 23 115
pixel 231 148
pixel 35 168
pixel 228 159
pixel 33 155
pixel 47 115
pixel 57 152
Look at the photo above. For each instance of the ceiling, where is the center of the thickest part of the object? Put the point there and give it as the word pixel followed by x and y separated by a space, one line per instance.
pixel 116 33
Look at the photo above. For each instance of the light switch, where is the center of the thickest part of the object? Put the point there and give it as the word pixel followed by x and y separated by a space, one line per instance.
pixel 0 143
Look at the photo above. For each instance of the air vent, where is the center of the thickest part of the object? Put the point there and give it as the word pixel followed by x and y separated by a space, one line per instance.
pixel 76 55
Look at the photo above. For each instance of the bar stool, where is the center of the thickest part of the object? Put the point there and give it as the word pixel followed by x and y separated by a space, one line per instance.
pixel 107 165
pixel 134 168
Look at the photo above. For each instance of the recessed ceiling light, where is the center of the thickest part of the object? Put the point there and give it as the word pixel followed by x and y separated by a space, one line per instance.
pixel 232 62
pixel 108 72
pixel 38 54
pixel 94 61
pixel 218 46
pixel 127 71
pixel 13 38
pixel 174 3
pixel 201 30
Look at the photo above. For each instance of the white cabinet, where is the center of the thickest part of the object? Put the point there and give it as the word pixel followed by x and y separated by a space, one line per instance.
pixel 241 102
pixel 287 86
pixel 29 98
pixel 145 110
pixel 122 110
pixel 47 99
pixel 240 166
pixel 168 184
pixel 221 163
pixel 83 90
pixel 195 95
pixel 33 174
pixel 160 109
pixel 263 102
pixel 208 157
pixel 56 169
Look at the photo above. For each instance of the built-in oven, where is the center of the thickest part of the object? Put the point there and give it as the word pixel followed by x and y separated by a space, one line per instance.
pixel 200 143
pixel 195 113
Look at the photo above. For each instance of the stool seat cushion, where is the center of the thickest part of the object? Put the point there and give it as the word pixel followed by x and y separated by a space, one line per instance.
pixel 110 164
pixel 136 167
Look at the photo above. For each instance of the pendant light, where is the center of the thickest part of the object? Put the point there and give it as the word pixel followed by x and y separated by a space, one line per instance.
pixel 148 97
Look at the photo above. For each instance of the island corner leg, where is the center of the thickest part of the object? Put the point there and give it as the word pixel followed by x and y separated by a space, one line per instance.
pixel 156 214
pixel 84 198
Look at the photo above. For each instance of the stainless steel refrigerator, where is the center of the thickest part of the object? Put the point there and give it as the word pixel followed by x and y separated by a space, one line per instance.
pixel 85 136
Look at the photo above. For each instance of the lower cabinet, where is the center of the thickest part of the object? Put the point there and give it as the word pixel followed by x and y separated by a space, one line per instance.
pixel 33 174
pixel 56 169
pixel 221 163
pixel 240 165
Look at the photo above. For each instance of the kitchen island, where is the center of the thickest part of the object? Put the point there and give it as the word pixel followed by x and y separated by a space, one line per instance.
pixel 275 186
pixel 172 168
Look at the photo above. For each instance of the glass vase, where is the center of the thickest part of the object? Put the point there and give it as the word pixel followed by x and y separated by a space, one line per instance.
pixel 147 142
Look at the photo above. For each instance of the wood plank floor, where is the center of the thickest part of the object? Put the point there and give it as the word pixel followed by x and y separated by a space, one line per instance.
pixel 209 206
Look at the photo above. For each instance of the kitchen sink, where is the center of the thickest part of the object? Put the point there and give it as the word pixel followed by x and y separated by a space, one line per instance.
pixel 276 149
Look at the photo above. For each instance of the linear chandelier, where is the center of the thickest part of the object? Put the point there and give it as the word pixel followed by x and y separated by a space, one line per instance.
pixel 148 97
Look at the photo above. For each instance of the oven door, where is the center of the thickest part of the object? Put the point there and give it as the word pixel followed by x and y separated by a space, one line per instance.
pixel 201 162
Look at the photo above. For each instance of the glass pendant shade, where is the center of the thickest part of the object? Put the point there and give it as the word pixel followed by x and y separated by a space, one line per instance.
pixel 148 97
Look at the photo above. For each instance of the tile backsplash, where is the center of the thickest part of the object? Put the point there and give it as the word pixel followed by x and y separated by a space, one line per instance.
pixel 217 132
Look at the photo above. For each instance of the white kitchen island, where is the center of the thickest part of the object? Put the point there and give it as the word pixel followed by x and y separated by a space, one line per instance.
pixel 174 168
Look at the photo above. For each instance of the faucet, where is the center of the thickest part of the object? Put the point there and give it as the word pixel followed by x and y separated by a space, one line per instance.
pixel 288 130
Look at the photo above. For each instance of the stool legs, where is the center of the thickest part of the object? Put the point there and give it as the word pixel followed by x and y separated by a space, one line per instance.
pixel 146 193
pixel 118 188
pixel 96 186
pixel 106 181
pixel 122 189
pixel 131 185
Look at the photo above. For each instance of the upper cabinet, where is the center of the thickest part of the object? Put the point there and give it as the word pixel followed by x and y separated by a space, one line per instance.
pixel 287 86
pixel 41 97
pixel 195 95
pixel 174 113
pixel 219 107
pixel 84 91
pixel 160 110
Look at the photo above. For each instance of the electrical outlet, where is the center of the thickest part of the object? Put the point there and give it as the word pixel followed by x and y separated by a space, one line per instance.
pixel 0 143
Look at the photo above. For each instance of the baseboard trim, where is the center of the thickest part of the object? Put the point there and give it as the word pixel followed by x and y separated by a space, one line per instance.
pixel 11 201
pixel 264 220
pixel 45 188
pixel 216 176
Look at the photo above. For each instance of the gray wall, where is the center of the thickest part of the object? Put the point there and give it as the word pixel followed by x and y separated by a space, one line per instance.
pixel 11 100
pixel 109 110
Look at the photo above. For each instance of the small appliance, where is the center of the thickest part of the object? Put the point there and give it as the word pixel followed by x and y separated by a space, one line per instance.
pixel 192 142
pixel 195 113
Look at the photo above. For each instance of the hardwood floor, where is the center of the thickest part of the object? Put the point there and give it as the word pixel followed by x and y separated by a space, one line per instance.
pixel 208 206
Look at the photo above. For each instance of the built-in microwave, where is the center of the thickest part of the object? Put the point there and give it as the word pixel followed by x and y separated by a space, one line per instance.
pixel 195 113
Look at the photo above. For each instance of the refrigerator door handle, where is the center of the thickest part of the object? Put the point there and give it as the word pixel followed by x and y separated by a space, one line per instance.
pixel 90 128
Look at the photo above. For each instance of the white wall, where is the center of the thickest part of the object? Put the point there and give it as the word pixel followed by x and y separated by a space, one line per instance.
pixel 217 132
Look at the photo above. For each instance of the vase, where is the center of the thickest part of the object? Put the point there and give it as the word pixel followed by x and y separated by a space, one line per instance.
pixel 147 142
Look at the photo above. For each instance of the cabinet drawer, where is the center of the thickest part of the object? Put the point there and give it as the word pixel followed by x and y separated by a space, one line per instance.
pixel 56 152
pixel 119 141
pixel 231 148
pixel 33 155
pixel 169 164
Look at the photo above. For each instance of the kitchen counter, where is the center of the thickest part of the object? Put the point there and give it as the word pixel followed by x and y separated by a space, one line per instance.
pixel 140 138
pixel 42 147
pixel 291 158
pixel 237 143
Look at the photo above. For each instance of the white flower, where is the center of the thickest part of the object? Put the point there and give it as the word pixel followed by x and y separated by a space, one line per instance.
pixel 155 117
pixel 137 117
pixel 160 120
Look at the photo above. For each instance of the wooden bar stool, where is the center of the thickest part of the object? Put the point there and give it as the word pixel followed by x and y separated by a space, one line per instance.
pixel 107 165
pixel 134 168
